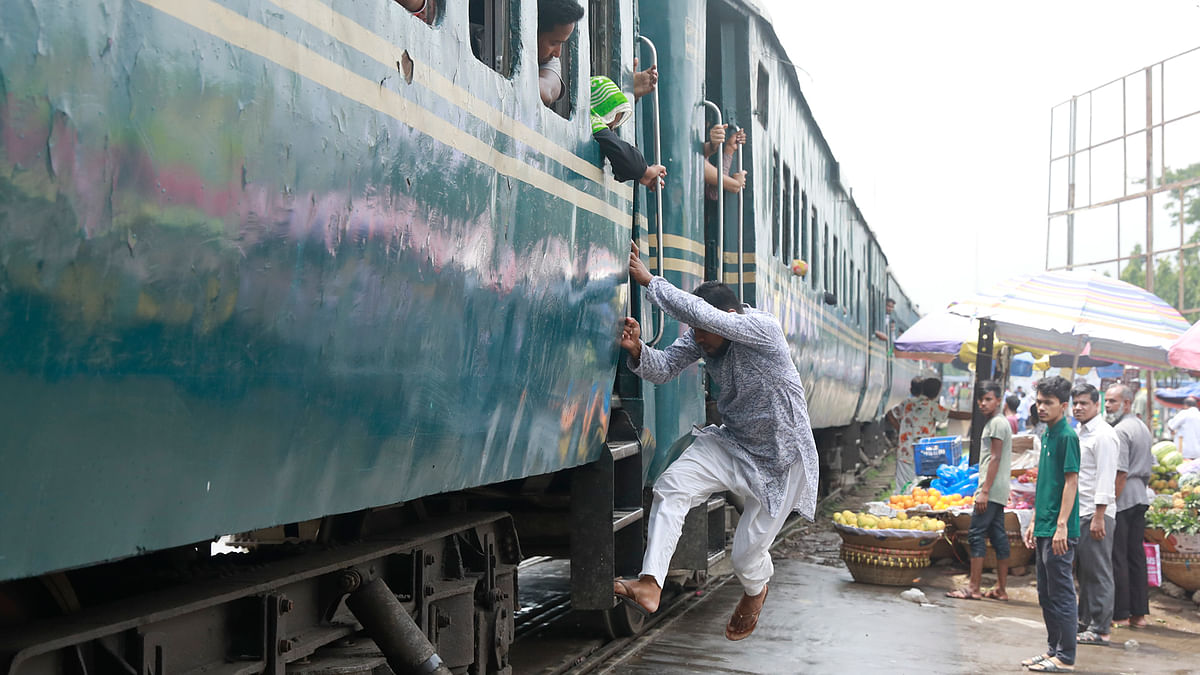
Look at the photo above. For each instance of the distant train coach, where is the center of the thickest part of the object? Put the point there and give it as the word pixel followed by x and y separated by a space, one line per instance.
pixel 329 280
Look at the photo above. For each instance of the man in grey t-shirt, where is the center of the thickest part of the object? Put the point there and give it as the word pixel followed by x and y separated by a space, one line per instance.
pixel 1134 465
pixel 995 469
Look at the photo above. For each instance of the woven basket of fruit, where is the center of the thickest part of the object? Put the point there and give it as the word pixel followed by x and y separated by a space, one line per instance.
pixel 1018 554
pixel 899 533
pixel 1182 569
pixel 885 566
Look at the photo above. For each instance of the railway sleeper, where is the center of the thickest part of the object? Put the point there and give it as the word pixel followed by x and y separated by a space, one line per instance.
pixel 436 597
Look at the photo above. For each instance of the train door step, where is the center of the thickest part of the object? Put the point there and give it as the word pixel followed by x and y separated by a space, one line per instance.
pixel 625 517
pixel 623 449
pixel 702 541
pixel 606 492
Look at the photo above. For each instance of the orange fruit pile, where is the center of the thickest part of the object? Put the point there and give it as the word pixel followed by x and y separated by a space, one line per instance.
pixel 936 500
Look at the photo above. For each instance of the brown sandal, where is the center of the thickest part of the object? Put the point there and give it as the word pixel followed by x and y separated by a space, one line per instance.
pixel 732 633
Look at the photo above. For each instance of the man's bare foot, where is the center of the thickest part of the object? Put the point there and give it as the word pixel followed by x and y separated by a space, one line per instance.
pixel 1137 621
pixel 745 616
pixel 645 591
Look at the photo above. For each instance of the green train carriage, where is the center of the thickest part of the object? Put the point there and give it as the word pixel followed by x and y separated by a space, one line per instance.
pixel 331 276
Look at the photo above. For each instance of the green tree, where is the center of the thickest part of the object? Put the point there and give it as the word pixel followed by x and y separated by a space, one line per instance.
pixel 1166 272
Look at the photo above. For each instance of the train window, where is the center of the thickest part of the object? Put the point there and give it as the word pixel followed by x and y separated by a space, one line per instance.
pixel 825 258
pixel 787 214
pixel 776 229
pixel 604 32
pixel 836 247
pixel 425 10
pixel 764 88
pixel 804 226
pixel 491 39
pixel 816 245
pixel 797 216
pixel 858 297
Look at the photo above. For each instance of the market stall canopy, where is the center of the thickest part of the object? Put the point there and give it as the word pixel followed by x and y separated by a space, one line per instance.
pixel 1185 352
pixel 1066 311
pixel 936 337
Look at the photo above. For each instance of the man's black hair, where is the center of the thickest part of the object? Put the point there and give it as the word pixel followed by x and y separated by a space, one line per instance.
pixel 719 295
pixel 554 13
pixel 1189 402
pixel 914 387
pixel 891 300
pixel 1055 387
pixel 992 386
pixel 1013 402
pixel 931 387
pixel 1085 389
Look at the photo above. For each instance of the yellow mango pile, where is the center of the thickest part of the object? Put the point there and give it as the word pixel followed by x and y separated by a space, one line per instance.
pixel 902 521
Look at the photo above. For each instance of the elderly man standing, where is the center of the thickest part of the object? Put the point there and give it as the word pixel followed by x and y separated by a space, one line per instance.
pixel 1134 465
pixel 763 452
pixel 1098 453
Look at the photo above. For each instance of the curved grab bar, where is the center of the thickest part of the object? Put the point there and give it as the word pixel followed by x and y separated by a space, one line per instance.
pixel 658 200
pixel 720 197
pixel 741 229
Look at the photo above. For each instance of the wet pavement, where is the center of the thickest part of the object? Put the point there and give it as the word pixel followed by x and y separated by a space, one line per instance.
pixel 817 619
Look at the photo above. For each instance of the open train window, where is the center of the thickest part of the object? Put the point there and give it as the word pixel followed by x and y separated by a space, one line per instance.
pixel 804 226
pixel 787 213
pixel 491 35
pixel 825 258
pixel 764 87
pixel 776 225
pixel 836 247
pixel 559 24
pixel 604 28
pixel 798 215
pixel 816 236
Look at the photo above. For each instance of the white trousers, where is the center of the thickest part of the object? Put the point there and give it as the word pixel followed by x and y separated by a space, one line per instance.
pixel 704 468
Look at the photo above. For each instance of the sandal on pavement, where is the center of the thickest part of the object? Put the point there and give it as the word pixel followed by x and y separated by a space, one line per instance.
pixel 994 594
pixel 1088 637
pixel 629 600
pixel 1052 665
pixel 732 633
pixel 1035 659
pixel 962 594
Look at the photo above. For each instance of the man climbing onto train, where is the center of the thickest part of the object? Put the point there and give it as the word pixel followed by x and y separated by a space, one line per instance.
pixel 763 451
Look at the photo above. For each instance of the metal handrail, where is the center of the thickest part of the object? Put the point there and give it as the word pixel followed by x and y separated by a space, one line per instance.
pixel 658 200
pixel 741 229
pixel 720 196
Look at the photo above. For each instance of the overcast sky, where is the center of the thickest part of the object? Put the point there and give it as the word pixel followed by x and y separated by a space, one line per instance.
pixel 939 113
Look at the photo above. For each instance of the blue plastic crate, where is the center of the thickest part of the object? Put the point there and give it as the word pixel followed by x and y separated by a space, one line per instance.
pixel 930 453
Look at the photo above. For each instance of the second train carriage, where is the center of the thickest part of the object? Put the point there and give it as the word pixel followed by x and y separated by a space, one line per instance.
pixel 332 273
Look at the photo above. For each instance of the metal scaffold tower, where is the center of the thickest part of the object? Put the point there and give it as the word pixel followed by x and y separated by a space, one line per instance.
pixel 1124 194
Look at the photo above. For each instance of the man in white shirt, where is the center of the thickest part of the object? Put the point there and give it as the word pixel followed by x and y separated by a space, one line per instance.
pixel 1186 427
pixel 1099 449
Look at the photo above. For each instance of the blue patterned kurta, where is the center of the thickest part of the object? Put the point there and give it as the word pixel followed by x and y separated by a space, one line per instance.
pixel 761 400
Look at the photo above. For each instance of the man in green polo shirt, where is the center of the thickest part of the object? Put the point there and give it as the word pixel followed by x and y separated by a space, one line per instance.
pixel 1054 529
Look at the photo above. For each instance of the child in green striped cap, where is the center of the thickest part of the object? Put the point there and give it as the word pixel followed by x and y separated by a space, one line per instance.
pixel 610 109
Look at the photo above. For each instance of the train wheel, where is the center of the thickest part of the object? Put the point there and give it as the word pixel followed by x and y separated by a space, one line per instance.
pixel 621 621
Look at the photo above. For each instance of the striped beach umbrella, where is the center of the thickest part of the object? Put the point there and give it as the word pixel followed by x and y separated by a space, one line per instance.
pixel 1080 312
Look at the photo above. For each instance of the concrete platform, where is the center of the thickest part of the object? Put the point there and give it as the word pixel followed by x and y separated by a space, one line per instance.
pixel 818 620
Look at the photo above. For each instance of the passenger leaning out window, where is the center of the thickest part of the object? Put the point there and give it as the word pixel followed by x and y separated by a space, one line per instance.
pixel 556 23
pixel 611 109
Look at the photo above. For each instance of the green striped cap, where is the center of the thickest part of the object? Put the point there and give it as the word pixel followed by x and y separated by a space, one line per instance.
pixel 608 101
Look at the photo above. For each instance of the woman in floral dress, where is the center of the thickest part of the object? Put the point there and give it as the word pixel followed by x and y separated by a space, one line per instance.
pixel 919 417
